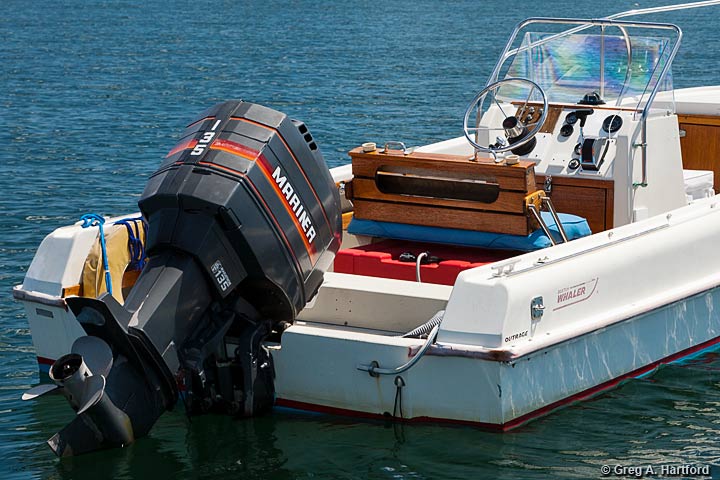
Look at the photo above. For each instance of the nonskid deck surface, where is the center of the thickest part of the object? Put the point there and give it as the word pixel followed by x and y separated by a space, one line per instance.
pixel 396 259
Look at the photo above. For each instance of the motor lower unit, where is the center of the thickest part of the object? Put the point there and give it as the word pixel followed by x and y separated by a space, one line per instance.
pixel 243 220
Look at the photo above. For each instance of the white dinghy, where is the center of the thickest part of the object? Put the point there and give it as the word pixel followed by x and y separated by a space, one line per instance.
pixel 563 244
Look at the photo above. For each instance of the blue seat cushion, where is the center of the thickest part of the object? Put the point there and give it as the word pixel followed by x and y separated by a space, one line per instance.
pixel 575 227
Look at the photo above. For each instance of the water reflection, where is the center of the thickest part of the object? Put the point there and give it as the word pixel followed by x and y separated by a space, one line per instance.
pixel 670 418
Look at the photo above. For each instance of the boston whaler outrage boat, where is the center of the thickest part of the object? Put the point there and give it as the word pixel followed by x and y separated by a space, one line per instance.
pixel 563 244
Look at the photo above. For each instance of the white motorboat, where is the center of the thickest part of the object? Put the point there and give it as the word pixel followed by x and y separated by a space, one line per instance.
pixel 560 246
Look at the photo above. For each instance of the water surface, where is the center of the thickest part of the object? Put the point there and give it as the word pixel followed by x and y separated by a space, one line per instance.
pixel 94 93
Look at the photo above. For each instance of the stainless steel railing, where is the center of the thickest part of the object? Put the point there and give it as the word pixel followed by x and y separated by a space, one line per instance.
pixel 610 21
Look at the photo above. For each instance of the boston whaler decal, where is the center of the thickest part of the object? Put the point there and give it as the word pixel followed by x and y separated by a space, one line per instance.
pixel 516 336
pixel 580 292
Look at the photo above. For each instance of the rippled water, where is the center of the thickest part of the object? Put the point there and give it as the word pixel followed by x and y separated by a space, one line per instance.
pixel 93 94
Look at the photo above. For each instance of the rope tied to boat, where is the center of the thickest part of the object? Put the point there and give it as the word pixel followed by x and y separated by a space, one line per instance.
pixel 135 243
pixel 95 220
pixel 399 384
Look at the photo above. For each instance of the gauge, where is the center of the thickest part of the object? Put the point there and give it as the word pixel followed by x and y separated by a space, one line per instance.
pixel 612 123
pixel 571 118
pixel 566 130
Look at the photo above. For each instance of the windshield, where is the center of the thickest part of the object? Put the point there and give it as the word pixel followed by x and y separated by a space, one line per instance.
pixel 569 67
pixel 622 64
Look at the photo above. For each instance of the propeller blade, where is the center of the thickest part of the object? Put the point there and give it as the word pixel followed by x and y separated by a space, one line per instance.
pixel 38 390
pixel 99 424
pixel 96 354
pixel 92 393
pixel 79 436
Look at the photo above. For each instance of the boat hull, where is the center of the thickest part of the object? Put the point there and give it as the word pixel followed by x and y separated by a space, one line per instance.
pixel 616 305
pixel 317 369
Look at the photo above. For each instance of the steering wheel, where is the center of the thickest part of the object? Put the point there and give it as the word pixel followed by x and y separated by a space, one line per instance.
pixel 512 125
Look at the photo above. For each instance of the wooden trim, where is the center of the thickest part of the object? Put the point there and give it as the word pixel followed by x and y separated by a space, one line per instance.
pixel 516 177
pixel 346 217
pixel 551 120
pixel 609 207
pixel 358 152
pixel 513 224
pixel 74 290
pixel 575 106
pixel 505 214
pixel 699 119
pixel 700 145
pixel 578 181
pixel 365 189
pixel 592 199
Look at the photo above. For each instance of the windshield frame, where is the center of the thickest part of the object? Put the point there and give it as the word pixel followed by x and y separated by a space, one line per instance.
pixel 578 25
pixel 584 24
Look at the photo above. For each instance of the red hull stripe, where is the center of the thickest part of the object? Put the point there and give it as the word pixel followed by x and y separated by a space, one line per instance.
pixel 45 361
pixel 591 392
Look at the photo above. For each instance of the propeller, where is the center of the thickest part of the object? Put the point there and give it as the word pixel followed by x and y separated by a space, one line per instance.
pixel 96 354
pixel 81 377
pixel 96 359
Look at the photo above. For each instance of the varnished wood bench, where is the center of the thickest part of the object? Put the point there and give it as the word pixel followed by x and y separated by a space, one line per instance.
pixel 441 190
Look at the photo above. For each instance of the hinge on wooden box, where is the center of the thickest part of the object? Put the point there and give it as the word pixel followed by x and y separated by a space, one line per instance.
pixel 548 185
pixel 346 188
pixel 534 204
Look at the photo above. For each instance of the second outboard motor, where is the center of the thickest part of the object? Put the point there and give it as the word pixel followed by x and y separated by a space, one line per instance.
pixel 243 220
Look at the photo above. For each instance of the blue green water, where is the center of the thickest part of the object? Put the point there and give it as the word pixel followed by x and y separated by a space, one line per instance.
pixel 94 93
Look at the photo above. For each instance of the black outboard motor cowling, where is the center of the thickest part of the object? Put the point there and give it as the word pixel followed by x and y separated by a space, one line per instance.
pixel 243 220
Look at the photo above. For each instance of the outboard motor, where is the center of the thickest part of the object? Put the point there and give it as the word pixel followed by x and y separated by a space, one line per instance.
pixel 243 220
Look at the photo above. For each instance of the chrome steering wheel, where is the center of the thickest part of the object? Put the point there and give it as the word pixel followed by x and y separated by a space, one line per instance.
pixel 511 125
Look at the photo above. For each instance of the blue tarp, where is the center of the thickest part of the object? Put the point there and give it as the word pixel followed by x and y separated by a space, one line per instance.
pixel 575 227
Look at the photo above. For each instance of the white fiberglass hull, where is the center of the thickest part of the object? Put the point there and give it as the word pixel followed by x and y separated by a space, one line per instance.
pixel 616 305
pixel 316 369
pixel 456 385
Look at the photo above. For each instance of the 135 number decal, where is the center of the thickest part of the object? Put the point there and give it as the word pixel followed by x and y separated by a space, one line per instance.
pixel 205 141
